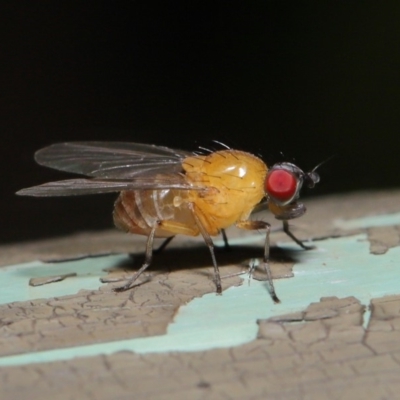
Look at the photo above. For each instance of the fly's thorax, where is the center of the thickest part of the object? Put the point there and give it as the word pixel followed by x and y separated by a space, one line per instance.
pixel 234 182
pixel 193 167
pixel 231 169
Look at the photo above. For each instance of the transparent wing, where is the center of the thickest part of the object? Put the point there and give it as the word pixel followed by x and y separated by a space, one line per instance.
pixel 72 187
pixel 111 159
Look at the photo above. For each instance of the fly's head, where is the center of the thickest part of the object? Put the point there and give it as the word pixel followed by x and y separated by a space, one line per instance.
pixel 282 188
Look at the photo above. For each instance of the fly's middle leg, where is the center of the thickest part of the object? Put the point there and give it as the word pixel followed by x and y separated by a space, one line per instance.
pixel 257 225
pixel 210 245
pixel 227 246
pixel 163 245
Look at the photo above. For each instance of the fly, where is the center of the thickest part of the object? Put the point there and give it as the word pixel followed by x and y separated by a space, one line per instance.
pixel 164 192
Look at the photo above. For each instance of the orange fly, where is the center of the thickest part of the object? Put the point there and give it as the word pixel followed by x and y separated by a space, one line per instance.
pixel 165 192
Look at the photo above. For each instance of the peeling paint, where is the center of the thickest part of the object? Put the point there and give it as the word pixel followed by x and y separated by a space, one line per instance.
pixel 88 270
pixel 338 267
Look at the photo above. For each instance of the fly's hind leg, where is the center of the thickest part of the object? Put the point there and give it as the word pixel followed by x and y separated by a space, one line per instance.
pixel 170 226
pixel 294 238
pixel 257 225
pixel 146 264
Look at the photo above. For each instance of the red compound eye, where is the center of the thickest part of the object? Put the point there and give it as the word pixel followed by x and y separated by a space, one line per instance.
pixel 281 185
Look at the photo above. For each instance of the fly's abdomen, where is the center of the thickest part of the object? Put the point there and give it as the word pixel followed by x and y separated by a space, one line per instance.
pixel 139 210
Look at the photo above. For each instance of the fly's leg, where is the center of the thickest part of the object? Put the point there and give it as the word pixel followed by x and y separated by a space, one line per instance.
pixel 225 239
pixel 210 245
pixel 285 213
pixel 294 238
pixel 256 225
pixel 147 262
pixel 171 226
pixel 252 268
pixel 163 245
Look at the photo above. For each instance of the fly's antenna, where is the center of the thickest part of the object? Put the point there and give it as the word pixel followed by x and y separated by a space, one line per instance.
pixel 312 177
pixel 323 162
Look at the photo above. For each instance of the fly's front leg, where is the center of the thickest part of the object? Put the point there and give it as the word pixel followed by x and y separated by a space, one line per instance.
pixel 146 264
pixel 294 238
pixel 285 213
pixel 257 225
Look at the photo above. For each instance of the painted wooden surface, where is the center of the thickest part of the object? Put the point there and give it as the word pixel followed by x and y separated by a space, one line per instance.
pixel 357 255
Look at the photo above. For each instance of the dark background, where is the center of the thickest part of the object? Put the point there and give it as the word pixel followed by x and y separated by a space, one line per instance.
pixel 310 79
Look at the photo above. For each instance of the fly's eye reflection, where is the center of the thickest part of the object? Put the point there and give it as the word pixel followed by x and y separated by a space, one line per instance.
pixel 164 192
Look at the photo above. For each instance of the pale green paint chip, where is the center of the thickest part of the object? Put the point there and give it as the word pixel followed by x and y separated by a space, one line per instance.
pixel 16 278
pixel 338 267
pixel 369 222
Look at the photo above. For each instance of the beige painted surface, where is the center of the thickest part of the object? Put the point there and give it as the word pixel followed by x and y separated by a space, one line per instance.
pixel 328 356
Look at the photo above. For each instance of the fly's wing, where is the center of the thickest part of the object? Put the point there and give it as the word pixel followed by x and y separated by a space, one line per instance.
pixel 71 187
pixel 111 160
pixel 113 166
